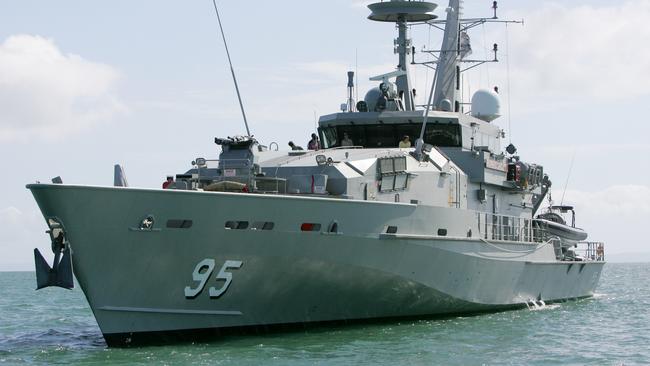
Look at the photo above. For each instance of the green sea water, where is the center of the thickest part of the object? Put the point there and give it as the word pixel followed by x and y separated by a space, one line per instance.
pixel 56 326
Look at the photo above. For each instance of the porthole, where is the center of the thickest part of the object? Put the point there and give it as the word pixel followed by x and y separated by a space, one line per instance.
pixel 179 224
pixel 236 225
pixel 262 225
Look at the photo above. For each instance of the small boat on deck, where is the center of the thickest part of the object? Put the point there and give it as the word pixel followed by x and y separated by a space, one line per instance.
pixel 553 224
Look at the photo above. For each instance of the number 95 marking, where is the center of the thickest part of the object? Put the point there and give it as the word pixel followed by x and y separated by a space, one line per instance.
pixel 202 273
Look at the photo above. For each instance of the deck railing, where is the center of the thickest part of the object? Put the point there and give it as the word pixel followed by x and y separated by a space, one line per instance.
pixel 507 228
pixel 591 251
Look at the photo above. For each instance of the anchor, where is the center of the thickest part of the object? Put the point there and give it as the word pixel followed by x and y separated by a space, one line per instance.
pixel 60 274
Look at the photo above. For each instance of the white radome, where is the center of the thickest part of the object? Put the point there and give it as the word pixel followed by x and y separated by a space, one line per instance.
pixel 486 105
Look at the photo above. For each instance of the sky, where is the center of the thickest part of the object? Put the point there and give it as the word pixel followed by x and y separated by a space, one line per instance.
pixel 85 85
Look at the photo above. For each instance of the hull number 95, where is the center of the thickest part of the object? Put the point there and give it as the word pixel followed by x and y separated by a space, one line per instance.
pixel 202 273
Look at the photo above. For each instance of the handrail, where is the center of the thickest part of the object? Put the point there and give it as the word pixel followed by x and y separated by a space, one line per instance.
pixel 593 250
pixel 507 228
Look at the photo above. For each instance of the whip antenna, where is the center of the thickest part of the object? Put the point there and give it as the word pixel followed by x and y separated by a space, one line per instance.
pixel 234 79
pixel 568 176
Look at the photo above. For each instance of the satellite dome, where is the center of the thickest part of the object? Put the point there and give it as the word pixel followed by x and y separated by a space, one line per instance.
pixel 371 98
pixel 486 105
pixel 445 105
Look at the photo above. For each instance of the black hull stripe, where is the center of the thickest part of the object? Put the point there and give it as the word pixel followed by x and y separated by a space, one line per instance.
pixel 158 338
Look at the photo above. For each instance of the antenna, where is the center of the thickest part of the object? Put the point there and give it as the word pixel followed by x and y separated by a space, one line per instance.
pixel 567 177
pixel 350 91
pixel 356 72
pixel 456 47
pixel 234 79
pixel 403 13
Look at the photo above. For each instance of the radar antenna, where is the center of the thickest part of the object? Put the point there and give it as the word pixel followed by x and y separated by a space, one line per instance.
pixel 403 13
pixel 234 79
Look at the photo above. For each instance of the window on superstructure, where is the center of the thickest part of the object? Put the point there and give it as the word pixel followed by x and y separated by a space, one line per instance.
pixel 444 135
pixel 401 181
pixel 380 136
pixel 387 183
pixel 393 175
pixel 389 135
pixel 329 137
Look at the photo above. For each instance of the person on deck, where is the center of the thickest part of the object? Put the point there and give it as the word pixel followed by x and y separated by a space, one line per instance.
pixel 166 184
pixel 405 143
pixel 347 141
pixel 600 252
pixel 294 146
pixel 313 144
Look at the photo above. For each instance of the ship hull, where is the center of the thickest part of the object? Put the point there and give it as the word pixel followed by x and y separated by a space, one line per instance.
pixel 143 283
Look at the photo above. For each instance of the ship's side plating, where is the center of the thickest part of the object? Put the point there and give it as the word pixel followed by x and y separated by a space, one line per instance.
pixel 135 279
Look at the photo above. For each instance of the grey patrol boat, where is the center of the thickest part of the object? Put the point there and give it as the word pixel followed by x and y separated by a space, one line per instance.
pixel 360 229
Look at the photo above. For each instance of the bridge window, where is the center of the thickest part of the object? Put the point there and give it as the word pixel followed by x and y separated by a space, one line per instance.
pixel 389 135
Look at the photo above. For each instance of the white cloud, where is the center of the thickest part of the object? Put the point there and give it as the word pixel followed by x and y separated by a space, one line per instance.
pixel 582 51
pixel 330 72
pixel 10 215
pixel 612 202
pixel 312 86
pixel 595 149
pixel 361 4
pixel 47 94
pixel 617 215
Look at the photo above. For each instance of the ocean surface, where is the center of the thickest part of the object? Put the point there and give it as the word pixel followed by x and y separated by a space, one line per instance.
pixel 56 326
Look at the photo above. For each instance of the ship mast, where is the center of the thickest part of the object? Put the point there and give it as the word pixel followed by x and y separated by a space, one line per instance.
pixel 403 12
pixel 447 80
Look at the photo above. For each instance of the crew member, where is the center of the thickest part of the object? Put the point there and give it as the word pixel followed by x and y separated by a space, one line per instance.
pixel 313 144
pixel 294 146
pixel 170 180
pixel 405 143
pixel 347 141
pixel 600 252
